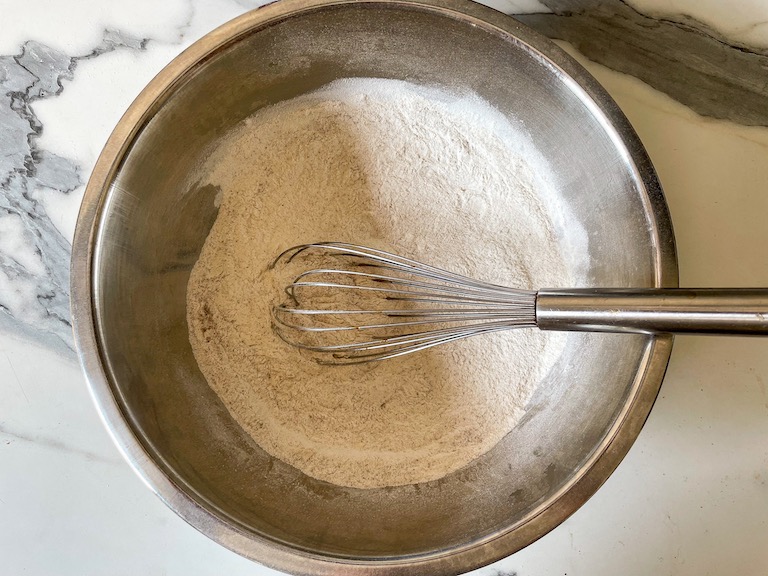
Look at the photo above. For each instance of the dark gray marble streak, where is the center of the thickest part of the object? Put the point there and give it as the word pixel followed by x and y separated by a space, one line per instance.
pixel 34 256
pixel 55 444
pixel 687 60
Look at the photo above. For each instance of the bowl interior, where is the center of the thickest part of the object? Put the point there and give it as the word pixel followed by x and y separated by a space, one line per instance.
pixel 154 221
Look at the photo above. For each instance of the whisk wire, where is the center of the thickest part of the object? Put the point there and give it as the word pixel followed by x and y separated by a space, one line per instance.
pixel 382 259
pixel 388 346
pixel 486 296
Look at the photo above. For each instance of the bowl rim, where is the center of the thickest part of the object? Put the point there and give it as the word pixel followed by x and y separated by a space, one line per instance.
pixel 464 557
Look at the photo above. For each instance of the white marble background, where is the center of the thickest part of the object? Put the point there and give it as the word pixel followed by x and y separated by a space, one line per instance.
pixel 691 498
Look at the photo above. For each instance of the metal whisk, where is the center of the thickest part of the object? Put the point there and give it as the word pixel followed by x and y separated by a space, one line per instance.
pixel 356 304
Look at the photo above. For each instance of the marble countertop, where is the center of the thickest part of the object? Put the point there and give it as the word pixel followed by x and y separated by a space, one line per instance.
pixel 691 498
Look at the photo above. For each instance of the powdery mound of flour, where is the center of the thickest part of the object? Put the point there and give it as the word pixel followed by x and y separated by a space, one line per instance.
pixel 441 178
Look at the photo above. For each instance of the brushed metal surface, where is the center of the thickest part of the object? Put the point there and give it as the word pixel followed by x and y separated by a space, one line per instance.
pixel 738 311
pixel 144 220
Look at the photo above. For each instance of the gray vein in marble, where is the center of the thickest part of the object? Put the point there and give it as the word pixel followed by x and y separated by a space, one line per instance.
pixel 685 59
pixel 34 256
pixel 8 436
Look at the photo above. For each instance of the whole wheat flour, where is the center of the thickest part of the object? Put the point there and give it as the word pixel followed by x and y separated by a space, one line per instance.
pixel 435 176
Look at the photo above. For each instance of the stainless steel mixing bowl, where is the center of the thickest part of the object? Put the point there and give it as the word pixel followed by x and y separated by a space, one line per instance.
pixel 143 222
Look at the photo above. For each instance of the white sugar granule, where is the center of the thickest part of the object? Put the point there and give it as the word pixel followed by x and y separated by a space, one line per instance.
pixel 437 177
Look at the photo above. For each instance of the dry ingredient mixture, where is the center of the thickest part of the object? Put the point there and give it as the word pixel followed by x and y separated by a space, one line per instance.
pixel 439 177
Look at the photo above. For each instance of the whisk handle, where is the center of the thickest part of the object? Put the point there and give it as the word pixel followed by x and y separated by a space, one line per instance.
pixel 676 310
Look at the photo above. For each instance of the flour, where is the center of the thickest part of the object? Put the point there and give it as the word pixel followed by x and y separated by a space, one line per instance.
pixel 437 177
